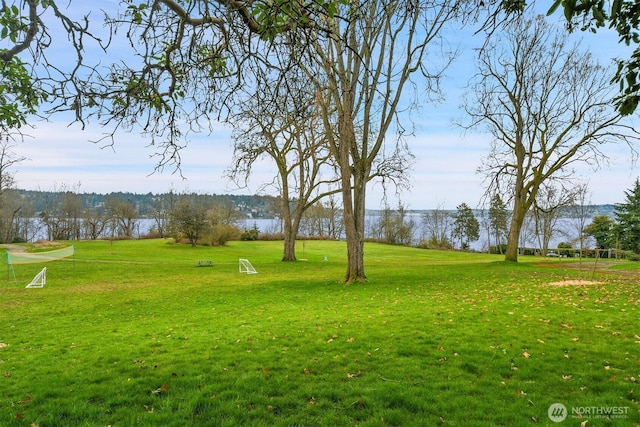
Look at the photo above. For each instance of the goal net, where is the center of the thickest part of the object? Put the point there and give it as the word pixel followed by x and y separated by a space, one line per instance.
pixel 246 267
pixel 37 257
pixel 39 280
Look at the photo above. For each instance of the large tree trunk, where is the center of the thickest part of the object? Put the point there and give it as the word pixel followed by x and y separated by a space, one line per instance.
pixel 355 271
pixel 291 227
pixel 511 254
pixel 353 199
pixel 289 244
pixel 354 231
pixel 521 205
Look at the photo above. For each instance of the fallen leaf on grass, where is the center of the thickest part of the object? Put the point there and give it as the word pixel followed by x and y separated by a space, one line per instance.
pixel 352 339
pixel 25 401
pixel 526 355
pixel 351 375
pixel 159 390
pixel 566 377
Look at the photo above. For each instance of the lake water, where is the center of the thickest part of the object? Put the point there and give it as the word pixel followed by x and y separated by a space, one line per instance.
pixel 268 225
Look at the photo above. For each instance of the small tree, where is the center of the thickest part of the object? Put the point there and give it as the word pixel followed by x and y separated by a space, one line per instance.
pixel 581 212
pixel 10 205
pixel 221 219
pixel 601 229
pixel 547 209
pixel 61 214
pixel 161 212
pixel 123 214
pixel 94 224
pixel 189 219
pixel 437 225
pixel 465 226
pixel 323 219
pixel 392 227
pixel 498 221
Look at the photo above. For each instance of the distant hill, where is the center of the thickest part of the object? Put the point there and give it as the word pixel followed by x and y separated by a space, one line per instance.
pixel 251 206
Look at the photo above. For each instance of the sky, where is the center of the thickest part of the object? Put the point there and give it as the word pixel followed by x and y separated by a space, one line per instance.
pixel 61 155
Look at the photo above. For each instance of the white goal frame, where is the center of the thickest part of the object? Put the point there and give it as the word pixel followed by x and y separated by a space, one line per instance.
pixel 245 266
pixel 39 280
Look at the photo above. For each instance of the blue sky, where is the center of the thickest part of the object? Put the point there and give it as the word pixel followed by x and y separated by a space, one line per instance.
pixel 443 175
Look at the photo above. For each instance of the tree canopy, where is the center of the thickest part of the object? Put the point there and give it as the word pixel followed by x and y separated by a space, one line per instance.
pixel 622 16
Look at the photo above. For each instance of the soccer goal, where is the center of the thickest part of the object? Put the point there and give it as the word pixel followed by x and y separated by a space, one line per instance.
pixel 246 267
pixel 39 280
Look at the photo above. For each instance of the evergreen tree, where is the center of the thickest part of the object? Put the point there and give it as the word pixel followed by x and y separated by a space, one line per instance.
pixel 601 229
pixel 466 226
pixel 628 219
pixel 498 220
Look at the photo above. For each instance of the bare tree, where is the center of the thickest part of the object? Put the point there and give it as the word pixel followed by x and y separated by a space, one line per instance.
pixel 94 224
pixel 547 105
pixel 62 212
pixel 393 226
pixel 278 119
pixel 161 212
pixel 323 219
pixel 581 213
pixel 10 205
pixel 363 73
pixel 548 207
pixel 437 226
pixel 123 213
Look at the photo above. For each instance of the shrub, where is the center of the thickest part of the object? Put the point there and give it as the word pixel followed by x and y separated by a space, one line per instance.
pixel 250 234
pixel 222 233
pixel 565 249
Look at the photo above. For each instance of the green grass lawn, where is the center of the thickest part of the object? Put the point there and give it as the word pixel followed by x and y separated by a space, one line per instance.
pixel 134 333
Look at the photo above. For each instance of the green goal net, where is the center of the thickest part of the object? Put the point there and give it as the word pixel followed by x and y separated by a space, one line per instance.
pixel 14 258
pixel 37 257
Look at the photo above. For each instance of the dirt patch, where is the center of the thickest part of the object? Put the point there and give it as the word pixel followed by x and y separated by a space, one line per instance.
pixel 13 248
pixel 575 283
